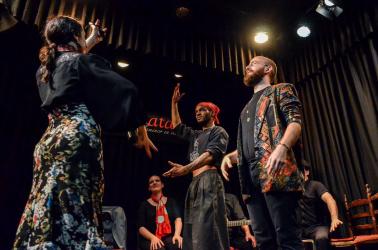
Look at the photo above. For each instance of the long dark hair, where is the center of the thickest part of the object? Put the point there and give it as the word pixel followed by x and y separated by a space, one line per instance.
pixel 59 31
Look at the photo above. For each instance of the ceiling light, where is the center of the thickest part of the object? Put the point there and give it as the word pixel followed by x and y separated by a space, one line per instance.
pixel 329 3
pixel 178 75
pixel 261 37
pixel 123 64
pixel 329 9
pixel 303 31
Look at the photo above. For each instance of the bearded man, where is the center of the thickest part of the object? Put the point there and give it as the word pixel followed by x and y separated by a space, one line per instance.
pixel 268 156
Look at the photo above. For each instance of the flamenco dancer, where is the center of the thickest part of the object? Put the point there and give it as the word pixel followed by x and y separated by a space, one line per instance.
pixel 80 93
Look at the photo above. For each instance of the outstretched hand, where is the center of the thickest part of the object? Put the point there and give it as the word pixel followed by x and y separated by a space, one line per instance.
pixel 176 170
pixel 176 96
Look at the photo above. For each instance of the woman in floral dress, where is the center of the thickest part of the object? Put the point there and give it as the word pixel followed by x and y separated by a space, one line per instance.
pixel 80 93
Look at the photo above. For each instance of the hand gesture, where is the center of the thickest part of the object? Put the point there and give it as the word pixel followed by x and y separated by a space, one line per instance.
pixel 96 34
pixel 225 166
pixel 156 243
pixel 143 141
pixel 177 238
pixel 176 97
pixel 335 223
pixel 176 170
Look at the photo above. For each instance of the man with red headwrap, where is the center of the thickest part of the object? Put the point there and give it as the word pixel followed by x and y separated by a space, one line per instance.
pixel 205 225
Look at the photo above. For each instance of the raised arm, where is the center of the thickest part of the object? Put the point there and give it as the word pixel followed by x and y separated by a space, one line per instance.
pixel 175 115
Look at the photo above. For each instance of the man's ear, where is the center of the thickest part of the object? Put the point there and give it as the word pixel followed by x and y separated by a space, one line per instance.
pixel 268 68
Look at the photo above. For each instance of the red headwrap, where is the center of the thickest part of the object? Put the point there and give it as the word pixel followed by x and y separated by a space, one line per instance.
pixel 163 225
pixel 213 108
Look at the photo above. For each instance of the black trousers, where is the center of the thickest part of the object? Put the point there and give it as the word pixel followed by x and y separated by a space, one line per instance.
pixel 205 222
pixel 320 235
pixel 276 220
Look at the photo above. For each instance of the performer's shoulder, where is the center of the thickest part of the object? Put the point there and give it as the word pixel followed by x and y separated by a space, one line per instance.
pixel 219 129
pixel 283 85
pixel 93 58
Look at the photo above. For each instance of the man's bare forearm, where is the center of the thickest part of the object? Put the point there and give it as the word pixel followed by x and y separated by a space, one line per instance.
pixel 204 159
pixel 331 205
pixel 291 135
pixel 175 115
pixel 233 156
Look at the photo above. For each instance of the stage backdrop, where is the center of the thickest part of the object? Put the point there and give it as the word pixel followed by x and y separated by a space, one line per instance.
pixel 335 72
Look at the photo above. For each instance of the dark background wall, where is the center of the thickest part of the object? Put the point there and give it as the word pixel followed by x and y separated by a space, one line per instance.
pixel 335 72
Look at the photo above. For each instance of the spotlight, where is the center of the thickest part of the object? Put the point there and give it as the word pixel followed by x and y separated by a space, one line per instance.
pixel 123 64
pixel 178 76
pixel 329 9
pixel 303 31
pixel 329 3
pixel 261 37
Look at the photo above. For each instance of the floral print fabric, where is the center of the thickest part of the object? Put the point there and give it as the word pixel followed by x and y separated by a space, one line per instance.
pixel 64 205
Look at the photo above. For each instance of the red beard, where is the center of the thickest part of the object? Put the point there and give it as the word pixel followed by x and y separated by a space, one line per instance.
pixel 254 78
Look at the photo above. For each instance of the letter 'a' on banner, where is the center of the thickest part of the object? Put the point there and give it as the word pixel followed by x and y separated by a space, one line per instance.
pixel 160 128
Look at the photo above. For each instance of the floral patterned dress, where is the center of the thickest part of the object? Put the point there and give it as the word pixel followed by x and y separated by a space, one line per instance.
pixel 64 205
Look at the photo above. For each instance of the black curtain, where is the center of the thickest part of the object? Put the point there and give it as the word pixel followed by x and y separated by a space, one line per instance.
pixel 336 74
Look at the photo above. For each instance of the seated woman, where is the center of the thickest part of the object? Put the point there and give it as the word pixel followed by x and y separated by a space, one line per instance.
pixel 159 221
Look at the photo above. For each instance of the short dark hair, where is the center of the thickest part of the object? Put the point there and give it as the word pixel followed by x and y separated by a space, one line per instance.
pixel 306 165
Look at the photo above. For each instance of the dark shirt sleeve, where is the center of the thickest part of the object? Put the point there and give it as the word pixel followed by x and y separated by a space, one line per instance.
pixel 289 103
pixel 184 131
pixel 244 176
pixel 141 217
pixel 174 211
pixel 112 99
pixel 218 141
pixel 319 189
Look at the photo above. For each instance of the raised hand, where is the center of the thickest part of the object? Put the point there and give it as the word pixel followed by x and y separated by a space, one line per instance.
pixel 176 96
pixel 96 34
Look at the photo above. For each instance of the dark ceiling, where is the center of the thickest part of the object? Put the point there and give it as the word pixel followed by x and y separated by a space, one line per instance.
pixel 280 18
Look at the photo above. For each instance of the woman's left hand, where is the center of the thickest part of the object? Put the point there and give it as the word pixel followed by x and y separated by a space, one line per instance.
pixel 96 34
pixel 179 240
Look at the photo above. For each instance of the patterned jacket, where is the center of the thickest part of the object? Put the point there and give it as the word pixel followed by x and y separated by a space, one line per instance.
pixel 277 107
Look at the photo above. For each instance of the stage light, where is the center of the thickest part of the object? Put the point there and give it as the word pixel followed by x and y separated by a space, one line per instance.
pixel 178 76
pixel 329 3
pixel 303 31
pixel 261 37
pixel 123 64
pixel 329 9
